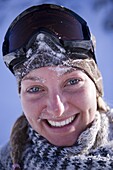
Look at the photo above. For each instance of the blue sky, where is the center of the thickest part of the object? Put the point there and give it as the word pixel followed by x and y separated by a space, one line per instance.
pixel 10 107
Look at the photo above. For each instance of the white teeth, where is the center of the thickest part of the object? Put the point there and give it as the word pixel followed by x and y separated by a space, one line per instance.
pixel 61 123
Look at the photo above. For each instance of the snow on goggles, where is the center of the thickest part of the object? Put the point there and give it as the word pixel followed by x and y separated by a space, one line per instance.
pixel 66 25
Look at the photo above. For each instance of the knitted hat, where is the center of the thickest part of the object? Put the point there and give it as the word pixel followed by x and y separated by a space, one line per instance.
pixel 44 51
pixel 50 35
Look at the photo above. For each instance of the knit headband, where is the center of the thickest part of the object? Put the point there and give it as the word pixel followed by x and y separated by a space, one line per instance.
pixel 44 50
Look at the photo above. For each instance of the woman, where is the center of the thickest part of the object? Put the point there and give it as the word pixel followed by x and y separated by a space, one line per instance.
pixel 65 122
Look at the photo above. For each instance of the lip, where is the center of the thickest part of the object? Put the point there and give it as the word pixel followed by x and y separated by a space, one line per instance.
pixel 61 122
pixel 63 129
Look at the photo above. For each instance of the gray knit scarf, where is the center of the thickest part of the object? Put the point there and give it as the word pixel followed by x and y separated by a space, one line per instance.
pixel 92 151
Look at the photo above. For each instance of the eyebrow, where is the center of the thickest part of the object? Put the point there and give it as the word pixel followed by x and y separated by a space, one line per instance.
pixel 34 78
pixel 63 70
pixel 70 70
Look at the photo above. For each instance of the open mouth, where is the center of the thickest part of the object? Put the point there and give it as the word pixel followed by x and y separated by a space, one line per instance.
pixel 62 123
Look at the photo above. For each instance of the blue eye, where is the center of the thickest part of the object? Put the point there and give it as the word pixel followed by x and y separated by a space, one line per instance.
pixel 73 81
pixel 34 89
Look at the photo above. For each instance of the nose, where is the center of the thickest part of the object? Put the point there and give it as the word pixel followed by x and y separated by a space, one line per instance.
pixel 56 106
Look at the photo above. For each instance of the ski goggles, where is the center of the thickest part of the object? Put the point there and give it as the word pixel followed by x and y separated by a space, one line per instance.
pixel 63 23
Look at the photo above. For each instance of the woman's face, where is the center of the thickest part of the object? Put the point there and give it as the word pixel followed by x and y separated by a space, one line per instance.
pixel 59 103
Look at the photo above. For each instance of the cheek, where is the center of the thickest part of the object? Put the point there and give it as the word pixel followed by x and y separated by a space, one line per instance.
pixel 89 100
pixel 30 108
pixel 84 99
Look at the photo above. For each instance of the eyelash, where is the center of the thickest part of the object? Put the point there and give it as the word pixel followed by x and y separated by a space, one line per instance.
pixel 34 89
pixel 70 82
pixel 73 81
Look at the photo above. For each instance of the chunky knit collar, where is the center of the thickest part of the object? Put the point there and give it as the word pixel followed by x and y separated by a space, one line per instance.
pixel 86 141
pixel 93 150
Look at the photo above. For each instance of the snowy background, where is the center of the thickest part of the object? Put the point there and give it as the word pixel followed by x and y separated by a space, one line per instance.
pixel 96 12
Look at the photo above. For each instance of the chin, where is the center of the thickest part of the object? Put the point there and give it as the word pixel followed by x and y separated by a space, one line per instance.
pixel 62 143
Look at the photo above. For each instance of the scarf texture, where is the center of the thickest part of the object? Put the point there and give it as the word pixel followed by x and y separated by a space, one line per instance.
pixel 92 151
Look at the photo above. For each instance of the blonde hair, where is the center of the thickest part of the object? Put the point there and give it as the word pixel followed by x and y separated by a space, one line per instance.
pixel 18 140
pixel 102 105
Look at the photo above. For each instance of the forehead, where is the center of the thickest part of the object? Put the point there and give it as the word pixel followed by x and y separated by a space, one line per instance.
pixel 61 70
pixel 53 73
pixel 58 70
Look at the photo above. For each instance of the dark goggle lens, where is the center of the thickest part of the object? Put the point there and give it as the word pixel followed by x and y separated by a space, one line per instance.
pixel 64 23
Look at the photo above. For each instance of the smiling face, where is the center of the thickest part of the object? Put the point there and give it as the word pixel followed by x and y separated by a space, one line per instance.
pixel 59 103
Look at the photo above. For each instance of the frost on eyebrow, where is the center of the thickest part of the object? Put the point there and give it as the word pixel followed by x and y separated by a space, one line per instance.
pixel 61 70
pixel 36 79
